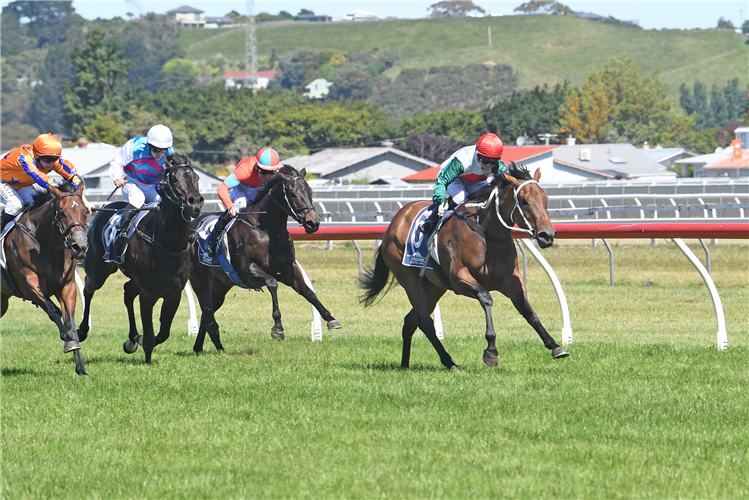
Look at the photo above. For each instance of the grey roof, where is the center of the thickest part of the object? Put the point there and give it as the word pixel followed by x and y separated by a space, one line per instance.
pixel 328 161
pixel 184 8
pixel 708 158
pixel 88 159
pixel 616 161
pixel 664 154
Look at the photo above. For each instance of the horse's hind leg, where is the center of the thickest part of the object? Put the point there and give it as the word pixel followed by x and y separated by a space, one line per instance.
pixel 410 324
pixel 516 292
pixel 168 310
pixel 300 286
pixel 146 316
pixel 272 285
pixel 131 291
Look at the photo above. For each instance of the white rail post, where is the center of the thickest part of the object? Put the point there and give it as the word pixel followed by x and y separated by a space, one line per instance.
pixel 438 323
pixel 192 321
pixel 566 325
pixel 79 285
pixel 722 335
pixel 316 322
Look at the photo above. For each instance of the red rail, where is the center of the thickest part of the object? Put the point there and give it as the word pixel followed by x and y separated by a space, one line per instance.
pixel 673 228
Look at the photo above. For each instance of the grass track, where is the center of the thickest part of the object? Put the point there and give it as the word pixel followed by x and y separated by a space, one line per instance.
pixel 645 406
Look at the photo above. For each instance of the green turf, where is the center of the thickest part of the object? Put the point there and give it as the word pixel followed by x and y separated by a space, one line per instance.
pixel 646 406
pixel 542 49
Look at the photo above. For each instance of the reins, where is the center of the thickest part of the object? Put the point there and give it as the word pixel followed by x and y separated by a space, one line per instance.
pixel 56 223
pixel 495 196
pixel 288 209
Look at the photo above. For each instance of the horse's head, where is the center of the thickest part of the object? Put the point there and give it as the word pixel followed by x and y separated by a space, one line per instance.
pixel 298 196
pixel 531 200
pixel 69 218
pixel 180 185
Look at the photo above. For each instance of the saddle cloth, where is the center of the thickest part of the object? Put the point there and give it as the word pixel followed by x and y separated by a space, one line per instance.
pixel 221 258
pixel 417 245
pixel 110 231
pixel 7 281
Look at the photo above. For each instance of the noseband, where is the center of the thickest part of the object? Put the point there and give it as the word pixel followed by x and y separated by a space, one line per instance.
pixel 57 224
pixel 288 208
pixel 495 194
pixel 166 188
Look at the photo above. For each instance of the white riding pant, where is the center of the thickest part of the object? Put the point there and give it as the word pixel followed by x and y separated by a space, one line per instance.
pixel 459 190
pixel 243 195
pixel 16 199
pixel 138 193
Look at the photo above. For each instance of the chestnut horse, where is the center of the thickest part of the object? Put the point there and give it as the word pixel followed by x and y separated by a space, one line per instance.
pixel 262 252
pixel 477 254
pixel 156 259
pixel 41 250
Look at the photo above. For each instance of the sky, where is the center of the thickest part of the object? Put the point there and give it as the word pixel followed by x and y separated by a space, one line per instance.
pixel 650 14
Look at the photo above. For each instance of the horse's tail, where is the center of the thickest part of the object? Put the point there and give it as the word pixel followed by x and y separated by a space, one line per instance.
pixel 375 280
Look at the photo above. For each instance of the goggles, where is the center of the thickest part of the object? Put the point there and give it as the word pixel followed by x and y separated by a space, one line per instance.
pixel 154 149
pixel 488 161
pixel 48 159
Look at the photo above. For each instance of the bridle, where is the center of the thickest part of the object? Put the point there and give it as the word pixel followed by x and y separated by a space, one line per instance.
pixel 288 208
pixel 495 195
pixel 167 190
pixel 57 224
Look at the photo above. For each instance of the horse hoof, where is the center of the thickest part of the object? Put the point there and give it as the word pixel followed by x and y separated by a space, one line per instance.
pixel 71 345
pixel 129 347
pixel 491 359
pixel 277 333
pixel 82 373
pixel 559 352
pixel 454 368
pixel 333 324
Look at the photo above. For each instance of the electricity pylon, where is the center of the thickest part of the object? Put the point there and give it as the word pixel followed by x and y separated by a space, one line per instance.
pixel 251 43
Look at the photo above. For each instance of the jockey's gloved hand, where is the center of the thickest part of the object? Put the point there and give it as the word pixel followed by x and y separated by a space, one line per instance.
pixel 442 209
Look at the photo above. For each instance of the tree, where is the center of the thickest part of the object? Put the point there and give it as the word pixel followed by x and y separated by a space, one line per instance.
pixel 722 106
pixel 14 36
pixel 99 70
pixel 431 147
pixel 745 27
pixel 48 21
pixel 527 113
pixel 105 129
pixel 178 73
pixel 544 7
pixel 454 8
pixel 351 84
pixel 616 104
pixel 725 24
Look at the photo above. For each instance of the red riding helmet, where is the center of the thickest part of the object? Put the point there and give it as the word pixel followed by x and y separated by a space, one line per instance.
pixel 490 146
pixel 267 159
pixel 47 145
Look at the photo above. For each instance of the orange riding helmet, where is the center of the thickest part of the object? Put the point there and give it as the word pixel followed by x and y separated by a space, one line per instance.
pixel 490 146
pixel 47 145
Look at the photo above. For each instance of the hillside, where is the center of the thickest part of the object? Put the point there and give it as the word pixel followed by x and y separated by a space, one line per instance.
pixel 542 49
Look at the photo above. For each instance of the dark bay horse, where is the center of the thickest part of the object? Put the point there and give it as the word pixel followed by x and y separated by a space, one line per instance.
pixel 156 259
pixel 475 258
pixel 41 252
pixel 262 253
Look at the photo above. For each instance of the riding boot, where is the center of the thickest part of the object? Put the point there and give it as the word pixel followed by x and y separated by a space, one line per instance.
pixel 212 242
pixel 428 225
pixel 4 219
pixel 125 221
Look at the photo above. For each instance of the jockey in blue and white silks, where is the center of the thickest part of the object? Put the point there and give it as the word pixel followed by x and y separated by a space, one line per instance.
pixel 138 168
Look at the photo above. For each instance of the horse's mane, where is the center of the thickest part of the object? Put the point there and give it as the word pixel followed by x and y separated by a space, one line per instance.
pixel 515 169
pixel 42 197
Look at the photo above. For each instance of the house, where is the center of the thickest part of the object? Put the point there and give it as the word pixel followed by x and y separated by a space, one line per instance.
pixel 526 154
pixel 360 164
pixel 242 79
pixel 667 156
pixel 314 18
pixel 187 16
pixel 729 162
pixel 317 89
pixel 361 15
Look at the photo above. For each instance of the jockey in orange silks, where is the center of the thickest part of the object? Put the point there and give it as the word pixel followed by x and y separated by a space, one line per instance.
pixel 24 171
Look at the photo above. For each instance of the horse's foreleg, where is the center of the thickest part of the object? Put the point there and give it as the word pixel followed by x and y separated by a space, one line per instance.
pixel 464 284
pixel 4 304
pixel 131 291
pixel 300 286
pixel 168 310
pixel 218 295
pixel 410 324
pixel 146 317
pixel 516 292
pixel 67 303
pixel 270 282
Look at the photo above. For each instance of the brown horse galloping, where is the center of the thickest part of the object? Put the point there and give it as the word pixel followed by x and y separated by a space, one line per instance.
pixel 475 258
pixel 41 252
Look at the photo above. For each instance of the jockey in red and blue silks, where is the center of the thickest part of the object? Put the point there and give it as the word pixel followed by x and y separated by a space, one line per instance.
pixel 137 169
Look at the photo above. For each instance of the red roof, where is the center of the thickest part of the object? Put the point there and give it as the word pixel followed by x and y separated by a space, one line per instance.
pixel 729 162
pixel 510 153
pixel 243 75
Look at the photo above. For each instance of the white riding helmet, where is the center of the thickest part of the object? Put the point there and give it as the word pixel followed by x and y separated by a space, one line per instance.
pixel 160 136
